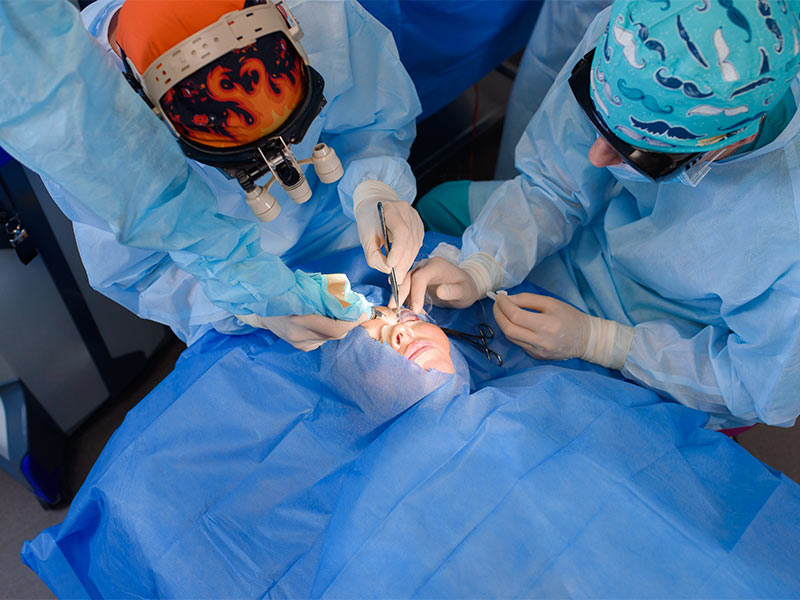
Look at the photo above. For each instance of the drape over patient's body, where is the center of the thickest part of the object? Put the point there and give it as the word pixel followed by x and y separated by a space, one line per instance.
pixel 256 470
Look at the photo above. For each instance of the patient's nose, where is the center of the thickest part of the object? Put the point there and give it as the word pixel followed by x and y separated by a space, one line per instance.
pixel 401 336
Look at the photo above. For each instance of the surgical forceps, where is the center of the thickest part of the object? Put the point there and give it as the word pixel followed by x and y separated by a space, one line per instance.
pixel 479 341
pixel 392 275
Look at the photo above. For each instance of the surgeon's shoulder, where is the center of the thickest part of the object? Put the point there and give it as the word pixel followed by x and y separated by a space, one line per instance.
pixel 333 23
pixel 96 16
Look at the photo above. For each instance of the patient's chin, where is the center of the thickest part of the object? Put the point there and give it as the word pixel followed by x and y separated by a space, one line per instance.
pixel 440 363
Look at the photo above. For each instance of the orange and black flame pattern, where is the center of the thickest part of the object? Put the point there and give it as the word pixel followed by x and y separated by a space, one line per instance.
pixel 241 97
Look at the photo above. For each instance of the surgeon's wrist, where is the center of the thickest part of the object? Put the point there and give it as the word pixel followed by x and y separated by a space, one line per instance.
pixel 608 343
pixel 373 191
pixel 253 320
pixel 484 272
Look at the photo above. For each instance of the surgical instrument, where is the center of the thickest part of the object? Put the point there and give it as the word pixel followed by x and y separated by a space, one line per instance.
pixel 392 275
pixel 479 341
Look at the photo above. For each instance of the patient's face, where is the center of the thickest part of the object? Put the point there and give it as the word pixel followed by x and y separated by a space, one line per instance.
pixel 421 342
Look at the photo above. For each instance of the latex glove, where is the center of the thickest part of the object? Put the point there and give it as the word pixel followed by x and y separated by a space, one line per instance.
pixel 441 282
pixel 446 284
pixel 558 331
pixel 402 222
pixel 306 332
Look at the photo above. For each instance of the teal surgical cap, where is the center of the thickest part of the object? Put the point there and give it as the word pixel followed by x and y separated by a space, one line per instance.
pixel 693 75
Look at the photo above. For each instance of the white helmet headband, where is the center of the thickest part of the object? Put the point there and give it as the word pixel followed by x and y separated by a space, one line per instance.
pixel 230 32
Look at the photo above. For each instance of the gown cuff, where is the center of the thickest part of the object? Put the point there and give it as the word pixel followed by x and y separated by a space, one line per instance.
pixel 608 344
pixel 484 271
pixel 372 190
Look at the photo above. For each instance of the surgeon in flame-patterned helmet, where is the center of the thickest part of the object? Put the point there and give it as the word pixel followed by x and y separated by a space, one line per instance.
pixel 236 87
pixel 224 75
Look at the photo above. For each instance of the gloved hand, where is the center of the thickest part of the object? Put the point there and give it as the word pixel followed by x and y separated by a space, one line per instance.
pixel 558 331
pixel 402 222
pixel 447 284
pixel 442 282
pixel 306 332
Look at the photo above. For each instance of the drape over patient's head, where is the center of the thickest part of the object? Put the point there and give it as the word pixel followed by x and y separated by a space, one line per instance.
pixel 372 377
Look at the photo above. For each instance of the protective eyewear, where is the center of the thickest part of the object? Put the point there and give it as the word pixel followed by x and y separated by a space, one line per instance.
pixel 657 166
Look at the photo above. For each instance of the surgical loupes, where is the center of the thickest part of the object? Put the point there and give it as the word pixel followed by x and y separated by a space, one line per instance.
pixel 388 246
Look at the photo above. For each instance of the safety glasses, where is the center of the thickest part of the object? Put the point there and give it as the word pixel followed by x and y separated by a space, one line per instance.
pixel 657 166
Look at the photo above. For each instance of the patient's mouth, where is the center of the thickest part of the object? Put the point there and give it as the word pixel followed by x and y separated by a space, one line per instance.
pixel 417 348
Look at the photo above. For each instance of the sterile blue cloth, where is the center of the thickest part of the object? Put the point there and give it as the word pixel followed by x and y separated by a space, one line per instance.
pixel 4 157
pixel 255 470
pixel 172 240
pixel 709 276
pixel 443 61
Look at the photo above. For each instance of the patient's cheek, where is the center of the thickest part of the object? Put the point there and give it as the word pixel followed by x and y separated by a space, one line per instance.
pixel 373 328
pixel 433 333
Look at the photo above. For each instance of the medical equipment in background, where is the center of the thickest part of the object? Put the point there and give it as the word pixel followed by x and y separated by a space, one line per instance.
pixel 172 80
pixel 71 347
pixel 31 444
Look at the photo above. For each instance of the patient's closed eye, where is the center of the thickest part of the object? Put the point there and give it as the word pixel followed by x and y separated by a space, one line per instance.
pixel 406 316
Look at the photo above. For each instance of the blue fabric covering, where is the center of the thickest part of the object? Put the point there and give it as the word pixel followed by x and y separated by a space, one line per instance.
pixel 441 60
pixel 255 470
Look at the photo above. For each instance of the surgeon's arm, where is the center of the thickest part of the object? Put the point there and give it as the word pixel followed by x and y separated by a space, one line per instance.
pixel 558 190
pixel 151 285
pixel 748 370
pixel 536 214
pixel 370 122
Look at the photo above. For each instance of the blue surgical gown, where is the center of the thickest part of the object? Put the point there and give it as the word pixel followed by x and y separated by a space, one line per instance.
pixel 369 120
pixel 559 28
pixel 708 276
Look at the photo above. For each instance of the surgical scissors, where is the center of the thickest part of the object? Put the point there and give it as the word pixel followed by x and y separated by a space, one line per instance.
pixel 479 341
